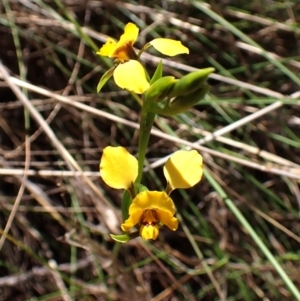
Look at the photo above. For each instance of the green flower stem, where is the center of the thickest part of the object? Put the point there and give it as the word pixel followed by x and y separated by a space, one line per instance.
pixel 147 119
pixel 254 235
pixel 146 122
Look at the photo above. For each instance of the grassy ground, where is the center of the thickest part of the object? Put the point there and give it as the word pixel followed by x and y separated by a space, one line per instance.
pixel 239 232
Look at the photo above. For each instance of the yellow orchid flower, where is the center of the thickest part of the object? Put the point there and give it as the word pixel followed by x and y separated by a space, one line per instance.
pixel 150 209
pixel 130 74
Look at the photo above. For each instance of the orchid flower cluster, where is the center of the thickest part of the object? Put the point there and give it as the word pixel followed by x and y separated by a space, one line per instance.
pixel 165 95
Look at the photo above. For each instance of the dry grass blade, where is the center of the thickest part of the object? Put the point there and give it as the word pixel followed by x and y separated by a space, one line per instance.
pixel 105 209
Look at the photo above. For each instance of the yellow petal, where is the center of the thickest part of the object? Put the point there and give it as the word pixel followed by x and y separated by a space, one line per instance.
pixel 152 200
pixel 167 219
pixel 124 48
pixel 183 169
pixel 118 168
pixel 168 46
pixel 149 231
pixel 131 32
pixel 133 219
pixel 108 48
pixel 131 76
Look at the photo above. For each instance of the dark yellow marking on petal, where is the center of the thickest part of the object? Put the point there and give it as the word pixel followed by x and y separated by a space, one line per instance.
pixel 149 217
pixel 125 53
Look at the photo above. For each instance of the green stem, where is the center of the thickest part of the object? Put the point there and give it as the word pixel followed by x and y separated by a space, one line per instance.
pixel 147 119
pixel 146 122
pixel 264 249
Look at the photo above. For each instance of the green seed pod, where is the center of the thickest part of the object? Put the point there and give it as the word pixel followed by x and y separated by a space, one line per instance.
pixel 160 89
pixel 182 104
pixel 190 82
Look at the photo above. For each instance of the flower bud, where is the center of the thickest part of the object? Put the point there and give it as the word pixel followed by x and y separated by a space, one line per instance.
pixel 190 82
pixel 183 103
pixel 160 89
